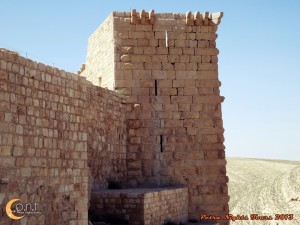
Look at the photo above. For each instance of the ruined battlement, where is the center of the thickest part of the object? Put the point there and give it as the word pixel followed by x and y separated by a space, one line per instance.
pixel 197 18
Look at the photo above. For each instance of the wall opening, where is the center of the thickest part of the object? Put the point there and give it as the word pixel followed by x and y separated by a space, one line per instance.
pixel 161 143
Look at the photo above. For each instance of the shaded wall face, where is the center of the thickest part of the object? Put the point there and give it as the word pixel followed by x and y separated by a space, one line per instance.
pixel 55 127
pixel 141 206
pixel 106 143
pixel 175 129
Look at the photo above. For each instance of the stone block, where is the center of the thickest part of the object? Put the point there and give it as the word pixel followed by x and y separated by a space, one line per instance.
pixel 206 59
pixel 142 42
pixel 207 66
pixel 125 58
pixel 167 91
pixel 206 51
pixel 159 58
pixel 162 83
pixel 195 59
pixel 182 99
pixel 214 59
pixel 168 66
pixel 173 58
pixel 159 75
pixel 3 75
pixel 149 50
pixel 189 75
pixel 141 75
pixel 154 65
pixel 140 58
pixel 184 107
pixel 188 51
pixel 136 34
pixel 138 50
pixel 127 50
pixel 160 35
pixel 147 83
pixel 173 123
pixel 203 44
pixel 191 91
pixel 180 66
pixel 189 115
pixel 127 83
pixel 162 51
pixel 207 75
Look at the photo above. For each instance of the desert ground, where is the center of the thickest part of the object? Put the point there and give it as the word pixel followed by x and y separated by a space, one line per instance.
pixel 266 188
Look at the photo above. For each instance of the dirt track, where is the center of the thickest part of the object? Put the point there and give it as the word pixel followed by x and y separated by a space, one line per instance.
pixel 264 187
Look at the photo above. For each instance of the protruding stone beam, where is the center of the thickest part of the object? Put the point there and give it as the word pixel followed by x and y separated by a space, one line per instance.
pixel 142 17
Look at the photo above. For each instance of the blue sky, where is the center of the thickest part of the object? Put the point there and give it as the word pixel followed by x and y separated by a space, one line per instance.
pixel 258 62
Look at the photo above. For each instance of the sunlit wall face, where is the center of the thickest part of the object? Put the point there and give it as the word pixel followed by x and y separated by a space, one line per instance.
pixel 258 64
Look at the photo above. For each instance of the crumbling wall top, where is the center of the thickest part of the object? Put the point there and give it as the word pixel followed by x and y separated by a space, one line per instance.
pixel 191 19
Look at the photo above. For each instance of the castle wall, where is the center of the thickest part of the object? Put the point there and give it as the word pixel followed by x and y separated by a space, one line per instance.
pixel 175 129
pixel 106 142
pixel 56 128
pixel 59 132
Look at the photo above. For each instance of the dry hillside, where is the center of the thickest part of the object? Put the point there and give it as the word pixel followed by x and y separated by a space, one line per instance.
pixel 264 187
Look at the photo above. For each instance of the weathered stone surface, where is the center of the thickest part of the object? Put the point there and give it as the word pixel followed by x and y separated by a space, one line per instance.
pixel 164 126
pixel 48 142
pixel 177 88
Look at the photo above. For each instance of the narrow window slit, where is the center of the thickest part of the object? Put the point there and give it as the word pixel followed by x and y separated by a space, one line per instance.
pixel 161 144
pixel 155 87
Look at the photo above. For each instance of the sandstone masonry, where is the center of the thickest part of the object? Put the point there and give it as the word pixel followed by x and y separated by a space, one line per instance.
pixel 63 138
pixel 166 63
pixel 56 128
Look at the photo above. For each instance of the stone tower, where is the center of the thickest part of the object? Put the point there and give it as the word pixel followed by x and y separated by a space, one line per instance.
pixel 166 63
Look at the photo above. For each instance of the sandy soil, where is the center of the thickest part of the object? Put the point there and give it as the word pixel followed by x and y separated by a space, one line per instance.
pixel 266 188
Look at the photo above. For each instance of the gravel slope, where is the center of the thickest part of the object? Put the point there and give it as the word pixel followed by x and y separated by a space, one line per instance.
pixel 264 187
